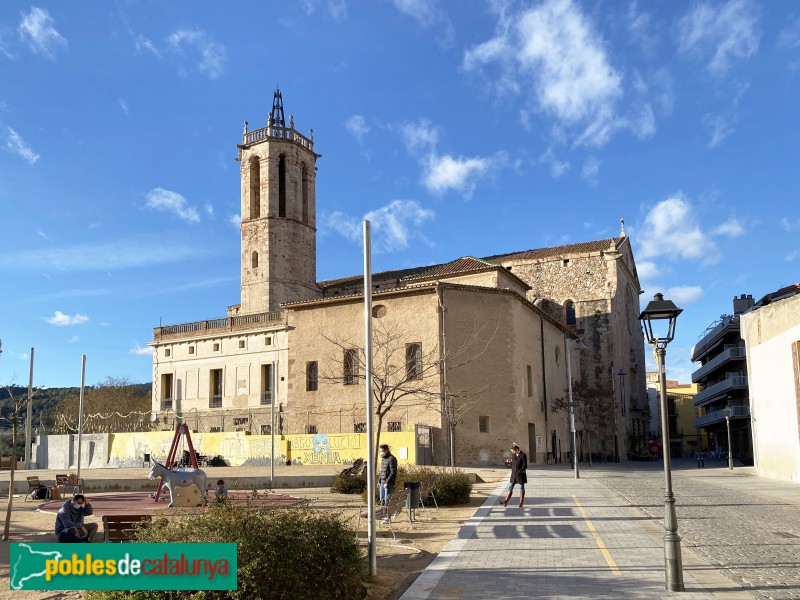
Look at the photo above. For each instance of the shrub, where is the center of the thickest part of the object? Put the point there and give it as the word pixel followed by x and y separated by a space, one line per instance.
pixel 451 487
pixel 287 553
pixel 349 484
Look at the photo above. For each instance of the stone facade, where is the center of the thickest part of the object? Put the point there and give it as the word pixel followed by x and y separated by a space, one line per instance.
pixel 489 334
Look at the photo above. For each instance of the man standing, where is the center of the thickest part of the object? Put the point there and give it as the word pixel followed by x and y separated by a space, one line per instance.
pixel 388 475
pixel 71 515
pixel 519 475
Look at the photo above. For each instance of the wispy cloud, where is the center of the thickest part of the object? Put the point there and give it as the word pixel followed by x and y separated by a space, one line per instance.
pixel 4 50
pixel 647 270
pixel 723 124
pixel 168 201
pixel 141 350
pixel 235 220
pixel 123 253
pixel 15 144
pixel 336 9
pixel 553 54
pixel 429 14
pixel 789 37
pixel 59 319
pixel 789 225
pixel 37 29
pixel 557 167
pixel 357 127
pixel 733 227
pixel 144 43
pixel 123 105
pixel 792 256
pixel 671 230
pixel 74 339
pixel 685 294
pixel 590 170
pixel 720 34
pixel 393 226
pixel 196 44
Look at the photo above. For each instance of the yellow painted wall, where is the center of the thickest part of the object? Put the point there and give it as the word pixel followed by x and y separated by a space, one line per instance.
pixel 344 448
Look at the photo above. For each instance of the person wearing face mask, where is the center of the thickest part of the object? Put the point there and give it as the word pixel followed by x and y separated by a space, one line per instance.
pixel 519 475
pixel 388 474
pixel 71 516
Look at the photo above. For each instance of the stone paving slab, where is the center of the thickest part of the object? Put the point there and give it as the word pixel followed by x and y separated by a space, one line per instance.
pixel 548 550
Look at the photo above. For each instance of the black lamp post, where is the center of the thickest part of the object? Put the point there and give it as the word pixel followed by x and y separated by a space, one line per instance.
pixel 573 440
pixel 621 376
pixel 728 412
pixel 665 310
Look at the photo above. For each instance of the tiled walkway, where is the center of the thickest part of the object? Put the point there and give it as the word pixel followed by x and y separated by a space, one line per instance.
pixel 573 539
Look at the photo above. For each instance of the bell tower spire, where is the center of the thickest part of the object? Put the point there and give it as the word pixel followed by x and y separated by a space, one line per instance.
pixel 279 247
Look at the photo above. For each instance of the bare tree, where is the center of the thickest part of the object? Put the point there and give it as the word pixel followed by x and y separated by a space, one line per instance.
pixel 115 404
pixel 15 406
pixel 593 406
pixel 405 374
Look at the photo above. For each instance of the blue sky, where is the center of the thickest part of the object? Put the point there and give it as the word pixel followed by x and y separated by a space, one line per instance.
pixel 458 128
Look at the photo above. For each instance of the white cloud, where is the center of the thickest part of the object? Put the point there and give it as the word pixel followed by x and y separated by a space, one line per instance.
pixel 59 319
pixel 684 294
pixel 793 256
pixel 141 350
pixel 168 201
pixel 420 136
pixel 3 50
pixel 124 253
pixel 445 172
pixel 720 34
pixel 74 339
pixel 209 208
pixel 36 28
pixel 42 234
pixel 557 167
pixel 647 270
pixel 337 9
pixel 789 37
pixel 554 51
pixel 590 170
pixel 357 127
pixel 123 105
pixel 428 14
pixel 671 230
pixel 789 225
pixel 235 220
pixel 393 226
pixel 143 43
pixel 210 55
pixel 719 126
pixel 15 143
pixel 732 228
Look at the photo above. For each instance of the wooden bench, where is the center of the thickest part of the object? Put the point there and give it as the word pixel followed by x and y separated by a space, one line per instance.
pixel 122 528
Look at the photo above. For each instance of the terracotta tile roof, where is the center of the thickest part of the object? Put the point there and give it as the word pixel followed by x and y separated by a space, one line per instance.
pixel 595 246
pixel 784 292
pixel 379 277
pixel 463 265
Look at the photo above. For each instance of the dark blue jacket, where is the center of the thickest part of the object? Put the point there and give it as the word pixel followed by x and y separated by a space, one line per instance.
pixel 69 516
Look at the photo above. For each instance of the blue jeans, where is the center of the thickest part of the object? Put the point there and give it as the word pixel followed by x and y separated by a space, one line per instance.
pixel 511 488
pixel 385 491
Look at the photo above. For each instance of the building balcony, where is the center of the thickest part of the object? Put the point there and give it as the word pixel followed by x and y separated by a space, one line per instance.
pixel 732 382
pixel 714 334
pixel 217 326
pixel 273 132
pixel 734 353
pixel 215 402
pixel 266 397
pixel 166 404
pixel 718 416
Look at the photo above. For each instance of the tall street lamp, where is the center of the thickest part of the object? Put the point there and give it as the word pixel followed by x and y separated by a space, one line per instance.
pixel 665 310
pixel 728 412
pixel 578 344
pixel 621 376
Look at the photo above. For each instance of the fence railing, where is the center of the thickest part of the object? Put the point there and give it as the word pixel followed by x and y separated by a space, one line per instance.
pixel 217 325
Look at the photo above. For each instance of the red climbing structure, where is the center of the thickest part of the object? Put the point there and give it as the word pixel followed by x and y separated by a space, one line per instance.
pixel 180 429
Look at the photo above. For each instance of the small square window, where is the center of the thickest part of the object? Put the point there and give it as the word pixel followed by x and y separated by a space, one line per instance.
pixel 359 428
pixel 311 429
pixel 483 424
pixel 266 430
pixel 394 426
pixel 191 349
pixel 565 262
pixel 214 429
pixel 268 341
pixel 167 352
pixel 216 347
pixel 241 344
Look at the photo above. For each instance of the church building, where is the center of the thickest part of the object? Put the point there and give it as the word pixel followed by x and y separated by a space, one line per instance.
pixel 470 354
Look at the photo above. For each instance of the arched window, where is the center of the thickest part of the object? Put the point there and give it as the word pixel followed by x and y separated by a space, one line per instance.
pixel 255 260
pixel 282 186
pixel 569 310
pixel 304 192
pixel 255 188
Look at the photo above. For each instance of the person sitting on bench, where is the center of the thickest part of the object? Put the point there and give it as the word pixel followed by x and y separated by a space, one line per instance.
pixel 70 516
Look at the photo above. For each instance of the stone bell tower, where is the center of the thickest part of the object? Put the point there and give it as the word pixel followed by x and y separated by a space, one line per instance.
pixel 279 250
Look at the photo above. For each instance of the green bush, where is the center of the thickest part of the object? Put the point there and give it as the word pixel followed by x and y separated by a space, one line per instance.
pixel 288 553
pixel 451 487
pixel 350 484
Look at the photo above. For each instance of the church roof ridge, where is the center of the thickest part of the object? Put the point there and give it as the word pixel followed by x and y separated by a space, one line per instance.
pixel 592 246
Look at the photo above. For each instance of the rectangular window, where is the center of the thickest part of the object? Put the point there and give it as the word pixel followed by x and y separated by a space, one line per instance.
pixel 242 344
pixel 359 428
pixel 394 426
pixel 312 375
pixel 215 389
pixel 191 349
pixel 530 381
pixel 216 347
pixel 167 391
pixel 240 420
pixel 214 429
pixel 414 361
pixel 483 424
pixel 266 384
pixel 167 352
pixel 311 429
pixel 268 341
pixel 266 430
pixel 351 367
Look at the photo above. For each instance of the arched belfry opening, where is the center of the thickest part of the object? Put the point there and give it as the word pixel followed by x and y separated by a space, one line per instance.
pixel 255 187
pixel 304 192
pixel 282 186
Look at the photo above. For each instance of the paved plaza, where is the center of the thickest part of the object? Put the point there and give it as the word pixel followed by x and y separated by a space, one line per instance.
pixel 601 537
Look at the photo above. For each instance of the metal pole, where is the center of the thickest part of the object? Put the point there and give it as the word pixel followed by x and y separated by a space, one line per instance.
pixel 80 414
pixel 28 419
pixel 573 438
pixel 372 555
pixel 730 454
pixel 272 399
pixel 614 409
pixel 673 564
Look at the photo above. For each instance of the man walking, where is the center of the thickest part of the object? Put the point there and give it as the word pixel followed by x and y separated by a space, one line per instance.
pixel 388 475
pixel 519 466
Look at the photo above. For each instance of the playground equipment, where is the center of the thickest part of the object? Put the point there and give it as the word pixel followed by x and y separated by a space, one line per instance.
pixel 174 480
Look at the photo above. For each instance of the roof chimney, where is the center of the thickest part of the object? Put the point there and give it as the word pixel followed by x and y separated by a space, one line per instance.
pixel 742 304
